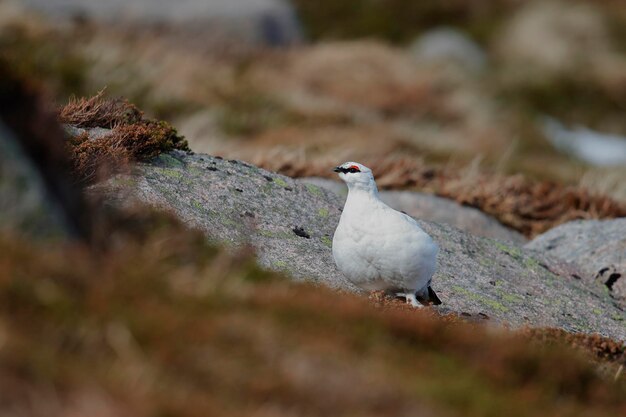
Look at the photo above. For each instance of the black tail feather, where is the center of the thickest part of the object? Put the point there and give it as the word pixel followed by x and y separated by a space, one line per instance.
pixel 432 296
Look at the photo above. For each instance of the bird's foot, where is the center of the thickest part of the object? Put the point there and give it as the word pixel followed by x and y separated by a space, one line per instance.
pixel 410 299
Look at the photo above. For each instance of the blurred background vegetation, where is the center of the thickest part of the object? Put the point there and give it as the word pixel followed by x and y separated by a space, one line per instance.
pixel 455 82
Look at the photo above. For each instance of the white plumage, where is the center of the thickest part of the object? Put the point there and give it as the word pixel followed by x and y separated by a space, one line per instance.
pixel 379 248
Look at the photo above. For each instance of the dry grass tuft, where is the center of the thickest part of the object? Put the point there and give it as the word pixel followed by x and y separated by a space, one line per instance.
pixel 97 111
pixel 528 206
pixel 94 160
pixel 599 347
pixel 132 137
pixel 147 139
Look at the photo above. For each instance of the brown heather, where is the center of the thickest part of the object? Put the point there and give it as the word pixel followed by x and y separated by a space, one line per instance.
pixel 98 111
pixel 132 137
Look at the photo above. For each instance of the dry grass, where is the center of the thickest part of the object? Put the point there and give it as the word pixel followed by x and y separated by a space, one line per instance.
pixel 96 160
pixel 162 324
pixel 132 137
pixel 597 346
pixel 532 207
pixel 98 111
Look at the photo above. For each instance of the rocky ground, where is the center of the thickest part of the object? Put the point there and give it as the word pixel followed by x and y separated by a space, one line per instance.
pixel 291 224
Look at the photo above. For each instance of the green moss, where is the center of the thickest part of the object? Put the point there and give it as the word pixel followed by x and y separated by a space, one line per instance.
pixel 195 171
pixel 169 161
pixel 512 251
pixel 228 221
pixel 531 263
pixel 280 182
pixel 495 305
pixel 486 262
pixel 266 233
pixel 327 241
pixel 171 173
pixel 313 189
pixel 124 181
pixel 512 298
pixel 323 212
pixel 279 264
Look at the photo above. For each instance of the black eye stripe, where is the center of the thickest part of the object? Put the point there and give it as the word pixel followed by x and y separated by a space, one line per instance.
pixel 351 170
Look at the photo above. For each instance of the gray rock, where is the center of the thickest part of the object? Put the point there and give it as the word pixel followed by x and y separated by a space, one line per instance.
pixel 271 22
pixel 449 45
pixel 596 247
pixel 94 133
pixel 291 224
pixel 435 209
pixel 337 187
pixel 26 208
pixel 595 148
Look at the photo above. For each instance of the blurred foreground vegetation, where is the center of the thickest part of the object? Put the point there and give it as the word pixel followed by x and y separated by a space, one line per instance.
pixel 162 324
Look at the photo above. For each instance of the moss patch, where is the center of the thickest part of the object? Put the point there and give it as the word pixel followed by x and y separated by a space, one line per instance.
pixel 313 189
pixel 281 182
pixel 323 212
pixel 495 305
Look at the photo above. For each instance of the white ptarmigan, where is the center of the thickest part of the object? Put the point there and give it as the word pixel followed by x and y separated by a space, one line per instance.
pixel 379 248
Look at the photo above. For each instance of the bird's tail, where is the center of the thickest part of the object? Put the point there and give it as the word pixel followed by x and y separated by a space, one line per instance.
pixel 432 296
pixel 428 295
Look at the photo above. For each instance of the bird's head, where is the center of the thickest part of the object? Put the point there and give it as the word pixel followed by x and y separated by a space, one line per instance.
pixel 356 175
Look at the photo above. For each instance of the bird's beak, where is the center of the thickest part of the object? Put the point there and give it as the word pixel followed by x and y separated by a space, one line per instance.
pixel 337 169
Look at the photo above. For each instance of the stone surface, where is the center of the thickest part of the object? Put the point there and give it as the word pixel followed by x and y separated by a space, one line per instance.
pixel 93 133
pixel 447 44
pixel 26 208
pixel 596 247
pixel 291 224
pixel 436 209
pixel 271 22
pixel 595 148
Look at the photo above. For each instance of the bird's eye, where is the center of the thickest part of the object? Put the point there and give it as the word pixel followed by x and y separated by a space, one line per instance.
pixel 354 169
